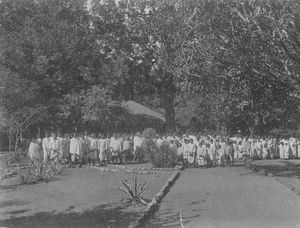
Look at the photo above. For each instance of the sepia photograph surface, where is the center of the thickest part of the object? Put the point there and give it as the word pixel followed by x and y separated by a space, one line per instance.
pixel 149 113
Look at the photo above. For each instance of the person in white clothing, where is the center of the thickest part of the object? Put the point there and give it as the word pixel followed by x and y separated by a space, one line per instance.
pixel 192 149
pixel 33 151
pixel 115 147
pixel 102 146
pixel 55 153
pixel 46 147
pixel 75 149
pixel 92 152
pixel 137 150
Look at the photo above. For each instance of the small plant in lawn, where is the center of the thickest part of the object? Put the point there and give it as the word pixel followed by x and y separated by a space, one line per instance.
pixel 38 171
pixel 133 191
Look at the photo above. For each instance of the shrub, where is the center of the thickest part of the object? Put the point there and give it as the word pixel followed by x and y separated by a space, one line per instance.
pixel 164 158
pixel 38 171
pixel 133 191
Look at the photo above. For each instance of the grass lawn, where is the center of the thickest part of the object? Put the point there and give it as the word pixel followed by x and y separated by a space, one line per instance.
pixel 78 198
pixel 279 167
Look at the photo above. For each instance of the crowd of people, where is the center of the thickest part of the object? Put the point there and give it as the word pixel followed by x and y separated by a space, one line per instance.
pixel 192 149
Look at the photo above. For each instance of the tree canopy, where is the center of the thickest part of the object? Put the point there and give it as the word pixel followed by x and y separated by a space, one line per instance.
pixel 232 64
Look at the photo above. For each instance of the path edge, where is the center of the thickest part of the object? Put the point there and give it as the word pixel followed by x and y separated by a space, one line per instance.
pixel 153 205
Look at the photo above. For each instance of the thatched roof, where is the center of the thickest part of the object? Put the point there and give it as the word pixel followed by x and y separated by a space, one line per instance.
pixel 138 109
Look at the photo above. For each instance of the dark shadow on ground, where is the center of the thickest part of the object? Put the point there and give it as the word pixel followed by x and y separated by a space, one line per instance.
pixel 283 168
pixel 107 215
pixel 8 203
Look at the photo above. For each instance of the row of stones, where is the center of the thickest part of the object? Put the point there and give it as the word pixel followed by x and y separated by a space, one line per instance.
pixel 121 170
pixel 146 168
pixel 153 205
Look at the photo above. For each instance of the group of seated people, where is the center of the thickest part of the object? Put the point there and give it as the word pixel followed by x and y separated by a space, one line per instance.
pixel 192 149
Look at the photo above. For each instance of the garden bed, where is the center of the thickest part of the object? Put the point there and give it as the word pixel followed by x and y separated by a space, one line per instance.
pixel 78 198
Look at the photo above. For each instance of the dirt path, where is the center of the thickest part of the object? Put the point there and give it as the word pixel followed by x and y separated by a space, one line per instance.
pixel 228 197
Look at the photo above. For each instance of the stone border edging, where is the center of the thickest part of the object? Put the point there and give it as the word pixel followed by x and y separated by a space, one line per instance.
pixel 264 172
pixel 138 171
pixel 153 205
pixel 146 168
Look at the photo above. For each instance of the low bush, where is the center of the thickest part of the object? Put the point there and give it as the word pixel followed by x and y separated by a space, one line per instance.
pixel 38 172
pixel 134 191
pixel 164 158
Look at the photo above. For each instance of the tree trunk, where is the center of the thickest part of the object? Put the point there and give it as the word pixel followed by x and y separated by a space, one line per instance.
pixel 10 141
pixel 167 94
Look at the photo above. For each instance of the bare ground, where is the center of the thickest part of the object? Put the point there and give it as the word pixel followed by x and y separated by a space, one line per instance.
pixel 78 198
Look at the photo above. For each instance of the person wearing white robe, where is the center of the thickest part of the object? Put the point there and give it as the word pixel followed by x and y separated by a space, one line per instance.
pixel 55 148
pixel 46 147
pixel 93 149
pixel 265 152
pixel 201 153
pixel 33 151
pixel 185 149
pixel 286 150
pixel 56 155
pixel 75 148
pixel 191 151
pixel 115 147
pixel 102 147
pixel 66 147
pixel 209 155
pixel 293 147
pixel 160 142
pixel 221 152
pixel 281 149
pixel 259 148
pixel 137 143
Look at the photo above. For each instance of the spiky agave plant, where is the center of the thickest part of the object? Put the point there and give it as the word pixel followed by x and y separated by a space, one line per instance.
pixel 38 171
pixel 133 190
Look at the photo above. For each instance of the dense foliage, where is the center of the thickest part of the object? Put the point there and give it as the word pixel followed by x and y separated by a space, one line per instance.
pixel 211 64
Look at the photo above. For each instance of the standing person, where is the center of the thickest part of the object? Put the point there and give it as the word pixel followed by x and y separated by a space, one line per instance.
pixel 46 147
pixel 39 141
pixel 221 152
pixel 259 148
pixel 85 147
pixel 101 148
pixel 137 143
pixel 127 150
pixel 75 149
pixel 160 142
pixel 229 154
pixel 33 151
pixel 66 149
pixel 192 149
pixel 293 147
pixel 115 147
pixel 287 149
pixel 265 152
pixel 281 149
pixel 210 155
pixel 270 147
pixel 92 156
pixel 201 153
pixel 60 147
pixel 55 155
pixel 185 151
